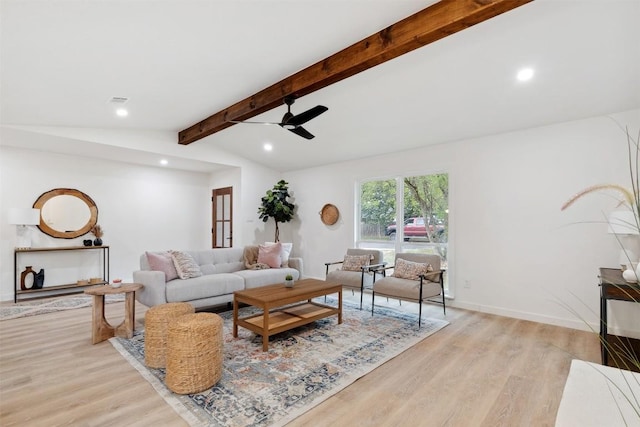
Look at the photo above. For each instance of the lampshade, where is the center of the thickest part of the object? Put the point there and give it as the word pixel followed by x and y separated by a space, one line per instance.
pixel 24 216
pixel 623 222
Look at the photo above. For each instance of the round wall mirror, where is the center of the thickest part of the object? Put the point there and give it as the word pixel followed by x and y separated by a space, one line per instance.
pixel 66 213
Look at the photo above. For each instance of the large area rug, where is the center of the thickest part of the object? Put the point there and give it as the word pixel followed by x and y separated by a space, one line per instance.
pixel 50 305
pixel 302 368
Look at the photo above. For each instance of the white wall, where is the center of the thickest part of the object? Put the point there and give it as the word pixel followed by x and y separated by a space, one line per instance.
pixel 140 208
pixel 521 255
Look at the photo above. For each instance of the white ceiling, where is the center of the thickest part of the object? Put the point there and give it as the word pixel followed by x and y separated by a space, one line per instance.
pixel 179 61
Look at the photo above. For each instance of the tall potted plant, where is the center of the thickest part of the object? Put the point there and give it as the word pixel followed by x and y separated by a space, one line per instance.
pixel 275 205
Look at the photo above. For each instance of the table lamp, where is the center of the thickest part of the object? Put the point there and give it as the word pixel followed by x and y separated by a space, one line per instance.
pixel 623 224
pixel 22 218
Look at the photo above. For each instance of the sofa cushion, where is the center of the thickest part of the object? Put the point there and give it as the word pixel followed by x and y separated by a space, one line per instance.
pixel 270 255
pixel 350 279
pixel 410 270
pixel 222 260
pixel 271 276
pixel 162 261
pixel 185 265
pixel 203 287
pixel 405 288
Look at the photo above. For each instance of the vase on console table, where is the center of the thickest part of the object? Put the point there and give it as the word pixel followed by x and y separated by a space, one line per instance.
pixel 629 276
pixel 635 267
pixel 97 242
pixel 632 273
pixel 23 278
pixel 38 281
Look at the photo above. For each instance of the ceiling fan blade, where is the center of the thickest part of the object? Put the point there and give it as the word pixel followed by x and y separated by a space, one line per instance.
pixel 300 131
pixel 304 117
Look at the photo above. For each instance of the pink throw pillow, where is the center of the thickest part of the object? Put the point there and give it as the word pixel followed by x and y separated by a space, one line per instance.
pixel 270 255
pixel 162 262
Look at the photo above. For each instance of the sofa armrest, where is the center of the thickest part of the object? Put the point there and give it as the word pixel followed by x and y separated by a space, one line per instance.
pixel 297 264
pixel 154 290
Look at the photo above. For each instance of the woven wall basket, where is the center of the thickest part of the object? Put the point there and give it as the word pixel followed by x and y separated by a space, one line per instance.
pixel 329 214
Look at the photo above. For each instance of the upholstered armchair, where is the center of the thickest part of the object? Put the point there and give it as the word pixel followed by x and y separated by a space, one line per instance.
pixel 356 269
pixel 416 277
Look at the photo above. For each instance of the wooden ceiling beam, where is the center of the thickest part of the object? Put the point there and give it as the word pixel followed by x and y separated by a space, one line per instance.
pixel 422 28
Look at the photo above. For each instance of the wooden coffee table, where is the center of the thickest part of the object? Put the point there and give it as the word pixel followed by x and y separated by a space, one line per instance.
pixel 275 317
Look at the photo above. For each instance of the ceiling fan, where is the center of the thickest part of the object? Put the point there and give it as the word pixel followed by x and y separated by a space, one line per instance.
pixel 291 122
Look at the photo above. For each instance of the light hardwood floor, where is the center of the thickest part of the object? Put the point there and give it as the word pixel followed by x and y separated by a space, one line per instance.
pixel 481 370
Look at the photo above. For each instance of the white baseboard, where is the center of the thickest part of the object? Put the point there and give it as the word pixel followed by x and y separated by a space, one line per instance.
pixel 534 317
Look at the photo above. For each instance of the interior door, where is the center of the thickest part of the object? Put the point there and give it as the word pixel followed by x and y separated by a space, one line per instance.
pixel 222 209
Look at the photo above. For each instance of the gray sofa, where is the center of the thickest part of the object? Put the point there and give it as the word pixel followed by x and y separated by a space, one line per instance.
pixel 223 273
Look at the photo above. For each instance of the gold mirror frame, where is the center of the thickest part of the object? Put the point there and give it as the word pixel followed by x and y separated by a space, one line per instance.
pixel 93 211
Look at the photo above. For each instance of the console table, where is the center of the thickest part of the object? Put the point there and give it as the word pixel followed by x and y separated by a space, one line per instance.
pixel 614 287
pixel 65 288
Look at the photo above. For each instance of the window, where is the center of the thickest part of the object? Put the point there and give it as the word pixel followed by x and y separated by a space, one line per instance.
pixel 421 203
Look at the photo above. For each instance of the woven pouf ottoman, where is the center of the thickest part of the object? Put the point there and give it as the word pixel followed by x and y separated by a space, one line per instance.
pixel 156 323
pixel 194 353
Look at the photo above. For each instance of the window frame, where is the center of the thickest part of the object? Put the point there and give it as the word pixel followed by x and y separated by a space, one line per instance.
pixel 399 244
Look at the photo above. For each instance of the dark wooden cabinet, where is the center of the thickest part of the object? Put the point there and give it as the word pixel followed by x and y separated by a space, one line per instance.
pixel 615 349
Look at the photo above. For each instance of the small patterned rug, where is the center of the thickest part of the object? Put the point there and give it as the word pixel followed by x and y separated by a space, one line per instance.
pixel 50 305
pixel 302 368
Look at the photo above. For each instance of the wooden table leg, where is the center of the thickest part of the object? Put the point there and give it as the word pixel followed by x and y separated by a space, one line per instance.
pixel 340 306
pixel 101 329
pixel 235 317
pixel 126 328
pixel 265 330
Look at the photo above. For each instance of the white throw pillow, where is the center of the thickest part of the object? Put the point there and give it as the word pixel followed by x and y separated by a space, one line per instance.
pixel 285 253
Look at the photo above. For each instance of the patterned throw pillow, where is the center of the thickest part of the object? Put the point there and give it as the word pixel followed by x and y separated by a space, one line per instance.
pixel 186 266
pixel 410 270
pixel 355 262
pixel 270 255
pixel 162 262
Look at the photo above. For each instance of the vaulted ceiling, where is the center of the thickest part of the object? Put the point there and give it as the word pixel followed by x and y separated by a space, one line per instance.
pixel 179 61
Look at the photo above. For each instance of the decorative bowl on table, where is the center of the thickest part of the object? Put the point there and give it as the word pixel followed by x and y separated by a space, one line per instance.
pixel 116 283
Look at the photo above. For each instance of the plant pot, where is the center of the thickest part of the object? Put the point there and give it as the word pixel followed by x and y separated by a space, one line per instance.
pixel 288 283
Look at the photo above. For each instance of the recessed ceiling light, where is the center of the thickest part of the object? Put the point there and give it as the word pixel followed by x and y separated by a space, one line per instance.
pixel 268 147
pixel 164 162
pixel 122 112
pixel 525 74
